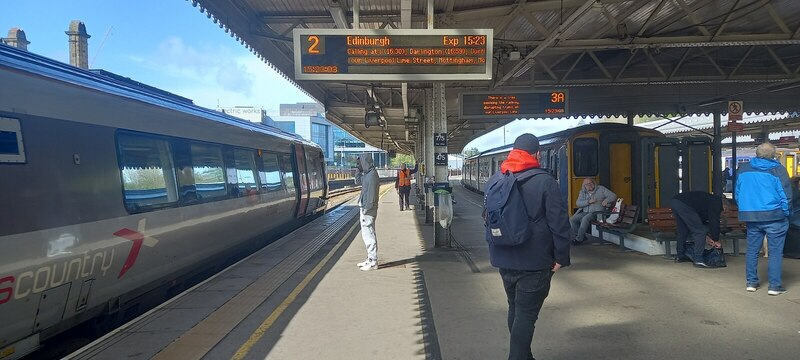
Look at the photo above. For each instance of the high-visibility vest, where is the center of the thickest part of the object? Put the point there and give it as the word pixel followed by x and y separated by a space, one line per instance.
pixel 405 178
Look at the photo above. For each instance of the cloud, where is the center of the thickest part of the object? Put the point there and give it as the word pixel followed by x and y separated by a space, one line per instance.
pixel 217 75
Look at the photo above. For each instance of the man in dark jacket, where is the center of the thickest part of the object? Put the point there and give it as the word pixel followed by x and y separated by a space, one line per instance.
pixel 764 195
pixel 526 269
pixel 697 216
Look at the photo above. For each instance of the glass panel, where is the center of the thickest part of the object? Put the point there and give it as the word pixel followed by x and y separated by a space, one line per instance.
pixel 209 175
pixel 288 173
pixel 8 143
pixel 245 176
pixel 271 176
pixel 148 175
pixel 584 155
pixel 287 126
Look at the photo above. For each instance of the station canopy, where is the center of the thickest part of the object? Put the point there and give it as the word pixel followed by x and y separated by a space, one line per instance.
pixel 612 57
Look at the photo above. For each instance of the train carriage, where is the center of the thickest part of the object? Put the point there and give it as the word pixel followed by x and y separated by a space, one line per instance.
pixel 116 195
pixel 608 153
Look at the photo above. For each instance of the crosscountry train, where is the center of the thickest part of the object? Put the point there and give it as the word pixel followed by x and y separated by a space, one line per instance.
pixel 114 194
pixel 609 153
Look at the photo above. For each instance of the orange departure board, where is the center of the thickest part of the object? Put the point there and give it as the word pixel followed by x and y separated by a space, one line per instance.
pixel 393 55
pixel 512 105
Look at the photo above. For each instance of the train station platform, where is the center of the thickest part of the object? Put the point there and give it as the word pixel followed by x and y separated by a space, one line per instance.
pixel 303 298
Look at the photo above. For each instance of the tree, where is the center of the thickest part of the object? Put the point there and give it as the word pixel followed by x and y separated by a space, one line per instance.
pixel 471 152
pixel 401 159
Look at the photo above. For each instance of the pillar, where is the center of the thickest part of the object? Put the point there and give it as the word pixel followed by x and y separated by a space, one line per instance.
pixel 78 44
pixel 441 235
pixel 429 156
pixel 716 158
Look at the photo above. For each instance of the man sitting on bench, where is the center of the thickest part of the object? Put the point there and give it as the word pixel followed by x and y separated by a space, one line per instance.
pixel 697 215
pixel 592 200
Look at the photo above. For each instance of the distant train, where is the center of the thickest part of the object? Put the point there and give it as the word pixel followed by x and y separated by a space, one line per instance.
pixel 115 194
pixel 609 153
pixel 787 157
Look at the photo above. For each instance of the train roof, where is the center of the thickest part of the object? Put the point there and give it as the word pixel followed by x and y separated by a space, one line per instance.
pixel 564 134
pixel 110 83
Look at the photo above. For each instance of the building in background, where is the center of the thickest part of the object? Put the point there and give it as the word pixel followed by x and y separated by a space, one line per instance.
pixel 249 113
pixel 340 148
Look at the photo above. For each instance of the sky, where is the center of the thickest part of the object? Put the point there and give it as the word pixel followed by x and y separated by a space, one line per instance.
pixel 173 46
pixel 163 43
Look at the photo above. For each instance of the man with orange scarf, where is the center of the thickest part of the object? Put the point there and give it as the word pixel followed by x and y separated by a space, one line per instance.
pixel 527 268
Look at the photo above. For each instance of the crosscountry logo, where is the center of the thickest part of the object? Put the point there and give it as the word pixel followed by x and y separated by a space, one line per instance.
pixel 138 237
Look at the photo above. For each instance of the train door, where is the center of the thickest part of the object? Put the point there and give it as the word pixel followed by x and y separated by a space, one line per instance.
pixel 620 160
pixel 790 164
pixel 583 163
pixel 302 178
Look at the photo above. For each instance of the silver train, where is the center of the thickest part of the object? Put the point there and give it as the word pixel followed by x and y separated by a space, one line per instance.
pixel 115 195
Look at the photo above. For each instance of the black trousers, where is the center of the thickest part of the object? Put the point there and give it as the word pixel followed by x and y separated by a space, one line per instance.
pixel 404 192
pixel 690 227
pixel 526 291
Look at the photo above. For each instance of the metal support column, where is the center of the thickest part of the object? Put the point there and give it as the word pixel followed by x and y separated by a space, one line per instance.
pixel 630 117
pixel 440 234
pixel 429 155
pixel 733 164
pixel 716 157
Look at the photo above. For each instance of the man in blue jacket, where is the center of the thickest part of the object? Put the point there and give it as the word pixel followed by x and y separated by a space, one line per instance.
pixel 764 195
pixel 527 268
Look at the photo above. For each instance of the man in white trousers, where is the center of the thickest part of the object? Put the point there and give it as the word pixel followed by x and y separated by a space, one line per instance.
pixel 368 202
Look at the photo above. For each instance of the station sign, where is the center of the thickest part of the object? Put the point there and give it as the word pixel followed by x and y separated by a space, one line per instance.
pixel 735 127
pixel 735 110
pixel 393 54
pixel 505 105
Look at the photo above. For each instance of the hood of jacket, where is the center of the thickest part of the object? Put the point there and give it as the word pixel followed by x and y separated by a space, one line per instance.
pixel 519 160
pixel 366 162
pixel 764 164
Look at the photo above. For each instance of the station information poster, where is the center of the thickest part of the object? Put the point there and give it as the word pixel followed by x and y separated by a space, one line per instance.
pixel 505 105
pixel 393 55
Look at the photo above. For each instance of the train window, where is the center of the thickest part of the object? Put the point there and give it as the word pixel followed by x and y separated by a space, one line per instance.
pixel 271 176
pixel 209 176
pixel 11 147
pixel 314 164
pixel 148 175
pixel 584 157
pixel 245 175
pixel 287 170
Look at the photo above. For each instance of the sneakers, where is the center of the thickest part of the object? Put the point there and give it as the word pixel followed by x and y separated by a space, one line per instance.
pixel 776 291
pixel 363 263
pixel 752 287
pixel 369 266
pixel 701 264
pixel 681 259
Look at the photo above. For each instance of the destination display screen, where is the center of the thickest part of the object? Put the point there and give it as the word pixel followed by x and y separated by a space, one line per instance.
pixel 488 105
pixel 380 55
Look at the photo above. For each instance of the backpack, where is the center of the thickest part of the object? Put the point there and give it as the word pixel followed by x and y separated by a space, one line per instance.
pixel 507 219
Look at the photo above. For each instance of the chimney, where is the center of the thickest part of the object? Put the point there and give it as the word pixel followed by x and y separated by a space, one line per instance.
pixel 78 44
pixel 16 38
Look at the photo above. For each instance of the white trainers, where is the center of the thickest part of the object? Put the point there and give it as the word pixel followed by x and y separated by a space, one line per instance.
pixel 751 288
pixel 369 266
pixel 363 263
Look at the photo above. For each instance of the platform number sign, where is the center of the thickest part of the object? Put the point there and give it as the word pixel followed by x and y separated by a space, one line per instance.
pixel 440 139
pixel 735 110
pixel 441 159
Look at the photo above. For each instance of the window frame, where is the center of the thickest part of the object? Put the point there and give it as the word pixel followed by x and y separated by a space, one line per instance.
pixel 121 166
pixel 13 125
pixel 596 147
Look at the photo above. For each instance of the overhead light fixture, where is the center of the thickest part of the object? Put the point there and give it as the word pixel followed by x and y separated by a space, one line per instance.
pixel 514 56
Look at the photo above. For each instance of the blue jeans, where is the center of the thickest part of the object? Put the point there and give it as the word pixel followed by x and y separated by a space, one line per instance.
pixel 776 237
pixel 526 291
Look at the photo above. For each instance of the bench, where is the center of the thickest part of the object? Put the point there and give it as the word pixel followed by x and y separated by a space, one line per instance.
pixel 627 224
pixel 663 226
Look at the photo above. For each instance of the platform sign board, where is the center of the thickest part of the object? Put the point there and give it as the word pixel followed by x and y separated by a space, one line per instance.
pixel 511 105
pixel 440 159
pixel 440 139
pixel 735 110
pixel 393 54
pixel 734 127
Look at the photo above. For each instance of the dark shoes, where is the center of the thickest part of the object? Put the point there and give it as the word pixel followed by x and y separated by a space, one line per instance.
pixel 682 259
pixel 576 242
